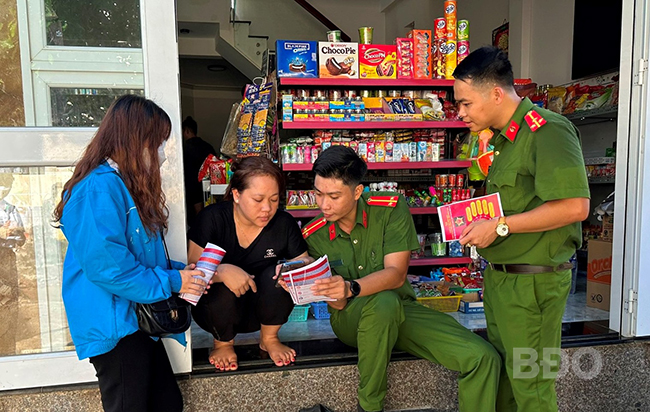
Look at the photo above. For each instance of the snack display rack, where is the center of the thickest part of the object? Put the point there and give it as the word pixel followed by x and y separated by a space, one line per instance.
pixel 373 125
pixel 448 164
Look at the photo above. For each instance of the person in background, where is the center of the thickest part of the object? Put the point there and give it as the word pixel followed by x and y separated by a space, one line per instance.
pixel 12 237
pixel 195 151
pixel 372 236
pixel 255 235
pixel 539 172
pixel 113 213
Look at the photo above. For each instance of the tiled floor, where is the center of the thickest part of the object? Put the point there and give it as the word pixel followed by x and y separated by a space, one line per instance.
pixel 312 329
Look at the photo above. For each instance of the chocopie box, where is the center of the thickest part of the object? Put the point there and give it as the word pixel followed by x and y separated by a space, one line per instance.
pixel 340 60
pixel 296 58
pixel 377 61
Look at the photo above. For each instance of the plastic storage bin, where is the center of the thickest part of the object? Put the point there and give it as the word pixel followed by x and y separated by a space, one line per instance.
pixel 442 303
pixel 319 310
pixel 299 313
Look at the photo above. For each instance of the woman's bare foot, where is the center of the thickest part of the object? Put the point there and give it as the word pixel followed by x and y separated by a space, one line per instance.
pixel 280 354
pixel 223 356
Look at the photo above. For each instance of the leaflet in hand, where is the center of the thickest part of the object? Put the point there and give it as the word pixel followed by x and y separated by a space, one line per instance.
pixel 210 258
pixel 299 281
pixel 454 217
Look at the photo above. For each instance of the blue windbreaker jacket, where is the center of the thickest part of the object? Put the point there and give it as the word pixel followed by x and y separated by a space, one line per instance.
pixel 110 264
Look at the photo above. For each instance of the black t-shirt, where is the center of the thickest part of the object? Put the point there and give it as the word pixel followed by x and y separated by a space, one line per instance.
pixel 280 239
pixel 195 150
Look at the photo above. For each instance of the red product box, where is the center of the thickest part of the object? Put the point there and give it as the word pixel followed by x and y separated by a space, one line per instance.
pixel 405 55
pixel 456 216
pixel 377 61
pixel 422 61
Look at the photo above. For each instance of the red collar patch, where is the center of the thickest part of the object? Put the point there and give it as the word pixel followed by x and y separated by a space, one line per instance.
pixel 332 231
pixel 365 220
pixel 534 120
pixel 511 133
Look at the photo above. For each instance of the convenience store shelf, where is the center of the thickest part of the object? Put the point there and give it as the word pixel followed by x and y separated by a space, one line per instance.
pixel 594 180
pixel 303 212
pixel 317 125
pixel 441 261
pixel 600 115
pixel 314 212
pixel 291 81
pixel 443 164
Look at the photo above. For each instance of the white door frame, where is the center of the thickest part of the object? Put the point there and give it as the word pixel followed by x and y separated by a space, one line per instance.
pixel 43 146
pixel 632 236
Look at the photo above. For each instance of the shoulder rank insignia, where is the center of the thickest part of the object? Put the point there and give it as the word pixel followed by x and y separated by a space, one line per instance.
pixel 534 120
pixel 511 133
pixel 388 201
pixel 311 228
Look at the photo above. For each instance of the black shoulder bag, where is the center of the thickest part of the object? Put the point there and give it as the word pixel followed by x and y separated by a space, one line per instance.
pixel 167 317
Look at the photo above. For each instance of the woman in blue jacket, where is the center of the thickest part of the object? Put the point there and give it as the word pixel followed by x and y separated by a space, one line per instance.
pixel 113 214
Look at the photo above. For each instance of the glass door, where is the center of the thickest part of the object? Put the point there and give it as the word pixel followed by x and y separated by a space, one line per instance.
pixel 62 62
pixel 632 238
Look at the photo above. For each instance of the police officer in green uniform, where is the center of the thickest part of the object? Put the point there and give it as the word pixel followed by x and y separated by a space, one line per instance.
pixel 539 171
pixel 369 239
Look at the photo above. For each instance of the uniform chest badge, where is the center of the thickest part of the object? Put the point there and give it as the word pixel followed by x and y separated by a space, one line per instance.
pixel 511 133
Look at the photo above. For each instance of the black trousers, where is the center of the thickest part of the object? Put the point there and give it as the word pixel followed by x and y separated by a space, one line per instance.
pixel 136 376
pixel 225 315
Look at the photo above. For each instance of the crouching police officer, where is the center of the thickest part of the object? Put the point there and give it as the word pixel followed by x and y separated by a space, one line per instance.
pixel 369 239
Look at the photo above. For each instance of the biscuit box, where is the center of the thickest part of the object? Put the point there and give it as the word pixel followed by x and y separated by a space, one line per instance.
pixel 377 61
pixel 422 59
pixel 296 58
pixel 340 60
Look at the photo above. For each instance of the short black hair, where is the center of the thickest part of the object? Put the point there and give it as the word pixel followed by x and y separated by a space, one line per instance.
pixel 340 162
pixel 486 65
pixel 190 123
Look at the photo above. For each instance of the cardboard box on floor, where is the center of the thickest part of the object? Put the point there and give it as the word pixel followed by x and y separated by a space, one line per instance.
pixel 599 273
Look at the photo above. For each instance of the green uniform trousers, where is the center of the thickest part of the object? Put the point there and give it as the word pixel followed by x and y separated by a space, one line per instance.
pixel 378 323
pixel 524 323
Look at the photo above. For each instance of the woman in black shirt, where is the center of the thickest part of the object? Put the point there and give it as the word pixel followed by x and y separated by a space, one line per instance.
pixel 255 236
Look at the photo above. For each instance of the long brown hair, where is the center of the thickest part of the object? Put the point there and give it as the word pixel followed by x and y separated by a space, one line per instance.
pixel 249 167
pixel 130 134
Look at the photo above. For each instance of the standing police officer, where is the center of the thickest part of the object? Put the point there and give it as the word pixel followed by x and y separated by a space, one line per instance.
pixel 368 240
pixel 539 171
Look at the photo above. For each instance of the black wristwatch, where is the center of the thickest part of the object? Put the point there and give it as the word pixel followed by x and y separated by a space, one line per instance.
pixel 355 289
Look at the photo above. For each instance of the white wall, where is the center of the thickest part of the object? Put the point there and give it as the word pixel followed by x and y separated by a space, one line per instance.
pixel 552 41
pixel 286 20
pixel 349 15
pixel 401 13
pixel 203 10
pixel 484 16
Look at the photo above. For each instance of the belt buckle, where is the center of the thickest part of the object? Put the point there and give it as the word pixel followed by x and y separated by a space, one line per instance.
pixel 499 267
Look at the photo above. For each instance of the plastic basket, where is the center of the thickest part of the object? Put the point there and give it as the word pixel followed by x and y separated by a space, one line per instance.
pixel 442 303
pixel 299 313
pixel 319 310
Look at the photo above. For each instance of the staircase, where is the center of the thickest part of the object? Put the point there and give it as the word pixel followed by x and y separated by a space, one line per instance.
pixel 208 29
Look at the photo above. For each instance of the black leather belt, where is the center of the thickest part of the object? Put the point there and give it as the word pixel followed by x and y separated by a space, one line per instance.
pixel 530 269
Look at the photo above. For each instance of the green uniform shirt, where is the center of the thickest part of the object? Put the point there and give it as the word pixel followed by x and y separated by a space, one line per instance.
pixel 379 231
pixel 535 162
